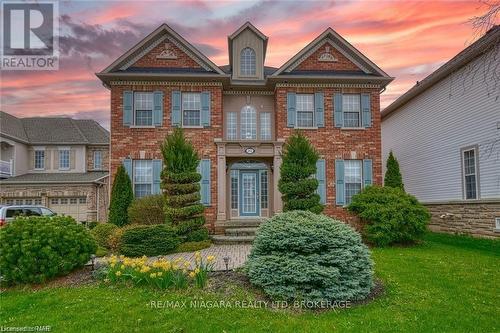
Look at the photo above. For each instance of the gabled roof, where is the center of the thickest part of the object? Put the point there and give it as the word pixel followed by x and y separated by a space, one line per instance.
pixel 340 44
pixel 51 130
pixel 479 47
pixel 235 34
pixel 158 35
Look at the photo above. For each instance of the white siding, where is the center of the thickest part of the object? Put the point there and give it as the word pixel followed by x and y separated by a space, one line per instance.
pixel 427 133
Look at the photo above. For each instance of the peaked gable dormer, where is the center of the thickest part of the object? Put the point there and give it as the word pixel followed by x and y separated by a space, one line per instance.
pixel 330 54
pixel 163 51
pixel 247 53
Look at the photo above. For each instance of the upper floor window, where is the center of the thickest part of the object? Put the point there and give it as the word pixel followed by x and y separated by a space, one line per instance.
pixel 232 126
pixel 64 159
pixel 470 173
pixel 351 105
pixel 143 177
pixel 143 109
pixel 191 109
pixel 39 159
pixel 97 160
pixel 265 126
pixel 305 110
pixel 248 123
pixel 247 62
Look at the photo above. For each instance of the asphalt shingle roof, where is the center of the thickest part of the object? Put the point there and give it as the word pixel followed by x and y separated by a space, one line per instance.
pixel 42 130
pixel 84 177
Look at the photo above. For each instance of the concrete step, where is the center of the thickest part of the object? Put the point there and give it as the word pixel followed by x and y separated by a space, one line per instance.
pixel 239 223
pixel 223 239
pixel 248 231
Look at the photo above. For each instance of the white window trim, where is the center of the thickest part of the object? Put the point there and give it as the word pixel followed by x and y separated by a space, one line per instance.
pixel 362 180
pixel 68 149
pixel 360 127
pixel 476 171
pixel 133 176
pixel 134 113
pixel 182 110
pixel 35 149
pixel 313 116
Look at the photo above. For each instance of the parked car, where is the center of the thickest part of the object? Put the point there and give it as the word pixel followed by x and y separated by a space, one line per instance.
pixel 9 213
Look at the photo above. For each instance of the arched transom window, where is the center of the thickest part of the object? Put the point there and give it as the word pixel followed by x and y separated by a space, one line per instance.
pixel 247 61
pixel 248 123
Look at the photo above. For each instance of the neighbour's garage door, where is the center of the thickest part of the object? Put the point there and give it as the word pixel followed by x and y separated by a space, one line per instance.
pixel 75 207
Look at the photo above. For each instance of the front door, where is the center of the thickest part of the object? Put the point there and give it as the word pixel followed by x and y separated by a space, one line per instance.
pixel 249 193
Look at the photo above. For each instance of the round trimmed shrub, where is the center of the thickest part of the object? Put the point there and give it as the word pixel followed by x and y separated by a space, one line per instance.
pixel 34 249
pixel 147 210
pixel 391 215
pixel 300 255
pixel 148 240
pixel 102 232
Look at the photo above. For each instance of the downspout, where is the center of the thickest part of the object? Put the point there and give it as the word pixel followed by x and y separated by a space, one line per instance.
pixel 97 204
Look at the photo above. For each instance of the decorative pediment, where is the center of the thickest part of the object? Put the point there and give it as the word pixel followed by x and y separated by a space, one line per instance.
pixel 330 52
pixel 327 56
pixel 167 53
pixel 163 48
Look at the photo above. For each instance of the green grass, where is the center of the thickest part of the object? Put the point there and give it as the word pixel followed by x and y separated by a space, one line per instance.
pixel 445 284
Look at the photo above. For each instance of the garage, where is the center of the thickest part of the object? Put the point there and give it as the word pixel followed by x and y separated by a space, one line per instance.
pixel 70 206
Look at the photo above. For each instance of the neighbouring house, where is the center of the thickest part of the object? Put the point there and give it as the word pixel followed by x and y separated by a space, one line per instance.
pixel 61 163
pixel 238 117
pixel 445 133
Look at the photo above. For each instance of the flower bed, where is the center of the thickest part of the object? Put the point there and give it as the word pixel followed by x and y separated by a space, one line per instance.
pixel 160 273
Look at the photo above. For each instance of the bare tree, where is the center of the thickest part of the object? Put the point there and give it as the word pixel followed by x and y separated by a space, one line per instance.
pixel 482 23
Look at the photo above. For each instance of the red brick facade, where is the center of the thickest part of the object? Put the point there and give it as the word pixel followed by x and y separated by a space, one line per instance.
pixel 312 62
pixel 331 142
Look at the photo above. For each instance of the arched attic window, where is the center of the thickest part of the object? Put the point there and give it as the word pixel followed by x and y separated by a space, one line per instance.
pixel 247 62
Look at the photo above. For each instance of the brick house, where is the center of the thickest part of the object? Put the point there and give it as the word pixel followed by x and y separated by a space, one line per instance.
pixel 238 117
pixel 61 163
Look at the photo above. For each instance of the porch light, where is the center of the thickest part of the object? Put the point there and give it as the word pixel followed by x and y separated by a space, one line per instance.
pixel 226 262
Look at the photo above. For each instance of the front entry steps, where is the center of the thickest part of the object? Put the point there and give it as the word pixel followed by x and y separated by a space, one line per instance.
pixel 240 231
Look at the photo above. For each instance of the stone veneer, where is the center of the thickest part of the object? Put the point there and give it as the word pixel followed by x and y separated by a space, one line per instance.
pixel 471 218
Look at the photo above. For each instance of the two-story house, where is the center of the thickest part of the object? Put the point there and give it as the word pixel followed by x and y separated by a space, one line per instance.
pixel 61 163
pixel 238 117
pixel 445 132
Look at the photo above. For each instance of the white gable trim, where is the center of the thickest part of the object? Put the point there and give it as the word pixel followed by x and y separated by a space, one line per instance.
pixel 341 45
pixel 175 38
pixel 158 42
pixel 317 47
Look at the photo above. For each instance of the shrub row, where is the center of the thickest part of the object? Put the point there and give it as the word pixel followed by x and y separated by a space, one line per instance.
pixel 34 249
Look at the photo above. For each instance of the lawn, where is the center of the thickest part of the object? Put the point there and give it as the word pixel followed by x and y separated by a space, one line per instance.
pixel 445 284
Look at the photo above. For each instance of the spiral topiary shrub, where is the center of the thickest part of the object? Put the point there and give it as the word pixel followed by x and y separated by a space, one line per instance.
pixel 34 249
pixel 180 183
pixel 296 181
pixel 299 255
pixel 390 214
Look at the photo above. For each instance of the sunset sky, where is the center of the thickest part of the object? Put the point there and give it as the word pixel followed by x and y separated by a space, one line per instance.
pixel 406 39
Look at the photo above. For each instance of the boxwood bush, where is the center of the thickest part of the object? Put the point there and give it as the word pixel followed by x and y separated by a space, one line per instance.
pixel 102 232
pixel 148 240
pixel 391 215
pixel 299 255
pixel 34 249
pixel 147 210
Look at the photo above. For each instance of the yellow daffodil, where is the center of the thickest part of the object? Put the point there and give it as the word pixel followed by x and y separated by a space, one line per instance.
pixel 112 265
pixel 210 258
pixel 118 273
pixel 152 275
pixel 192 274
pixel 122 267
pixel 197 270
pixel 187 264
pixel 159 273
